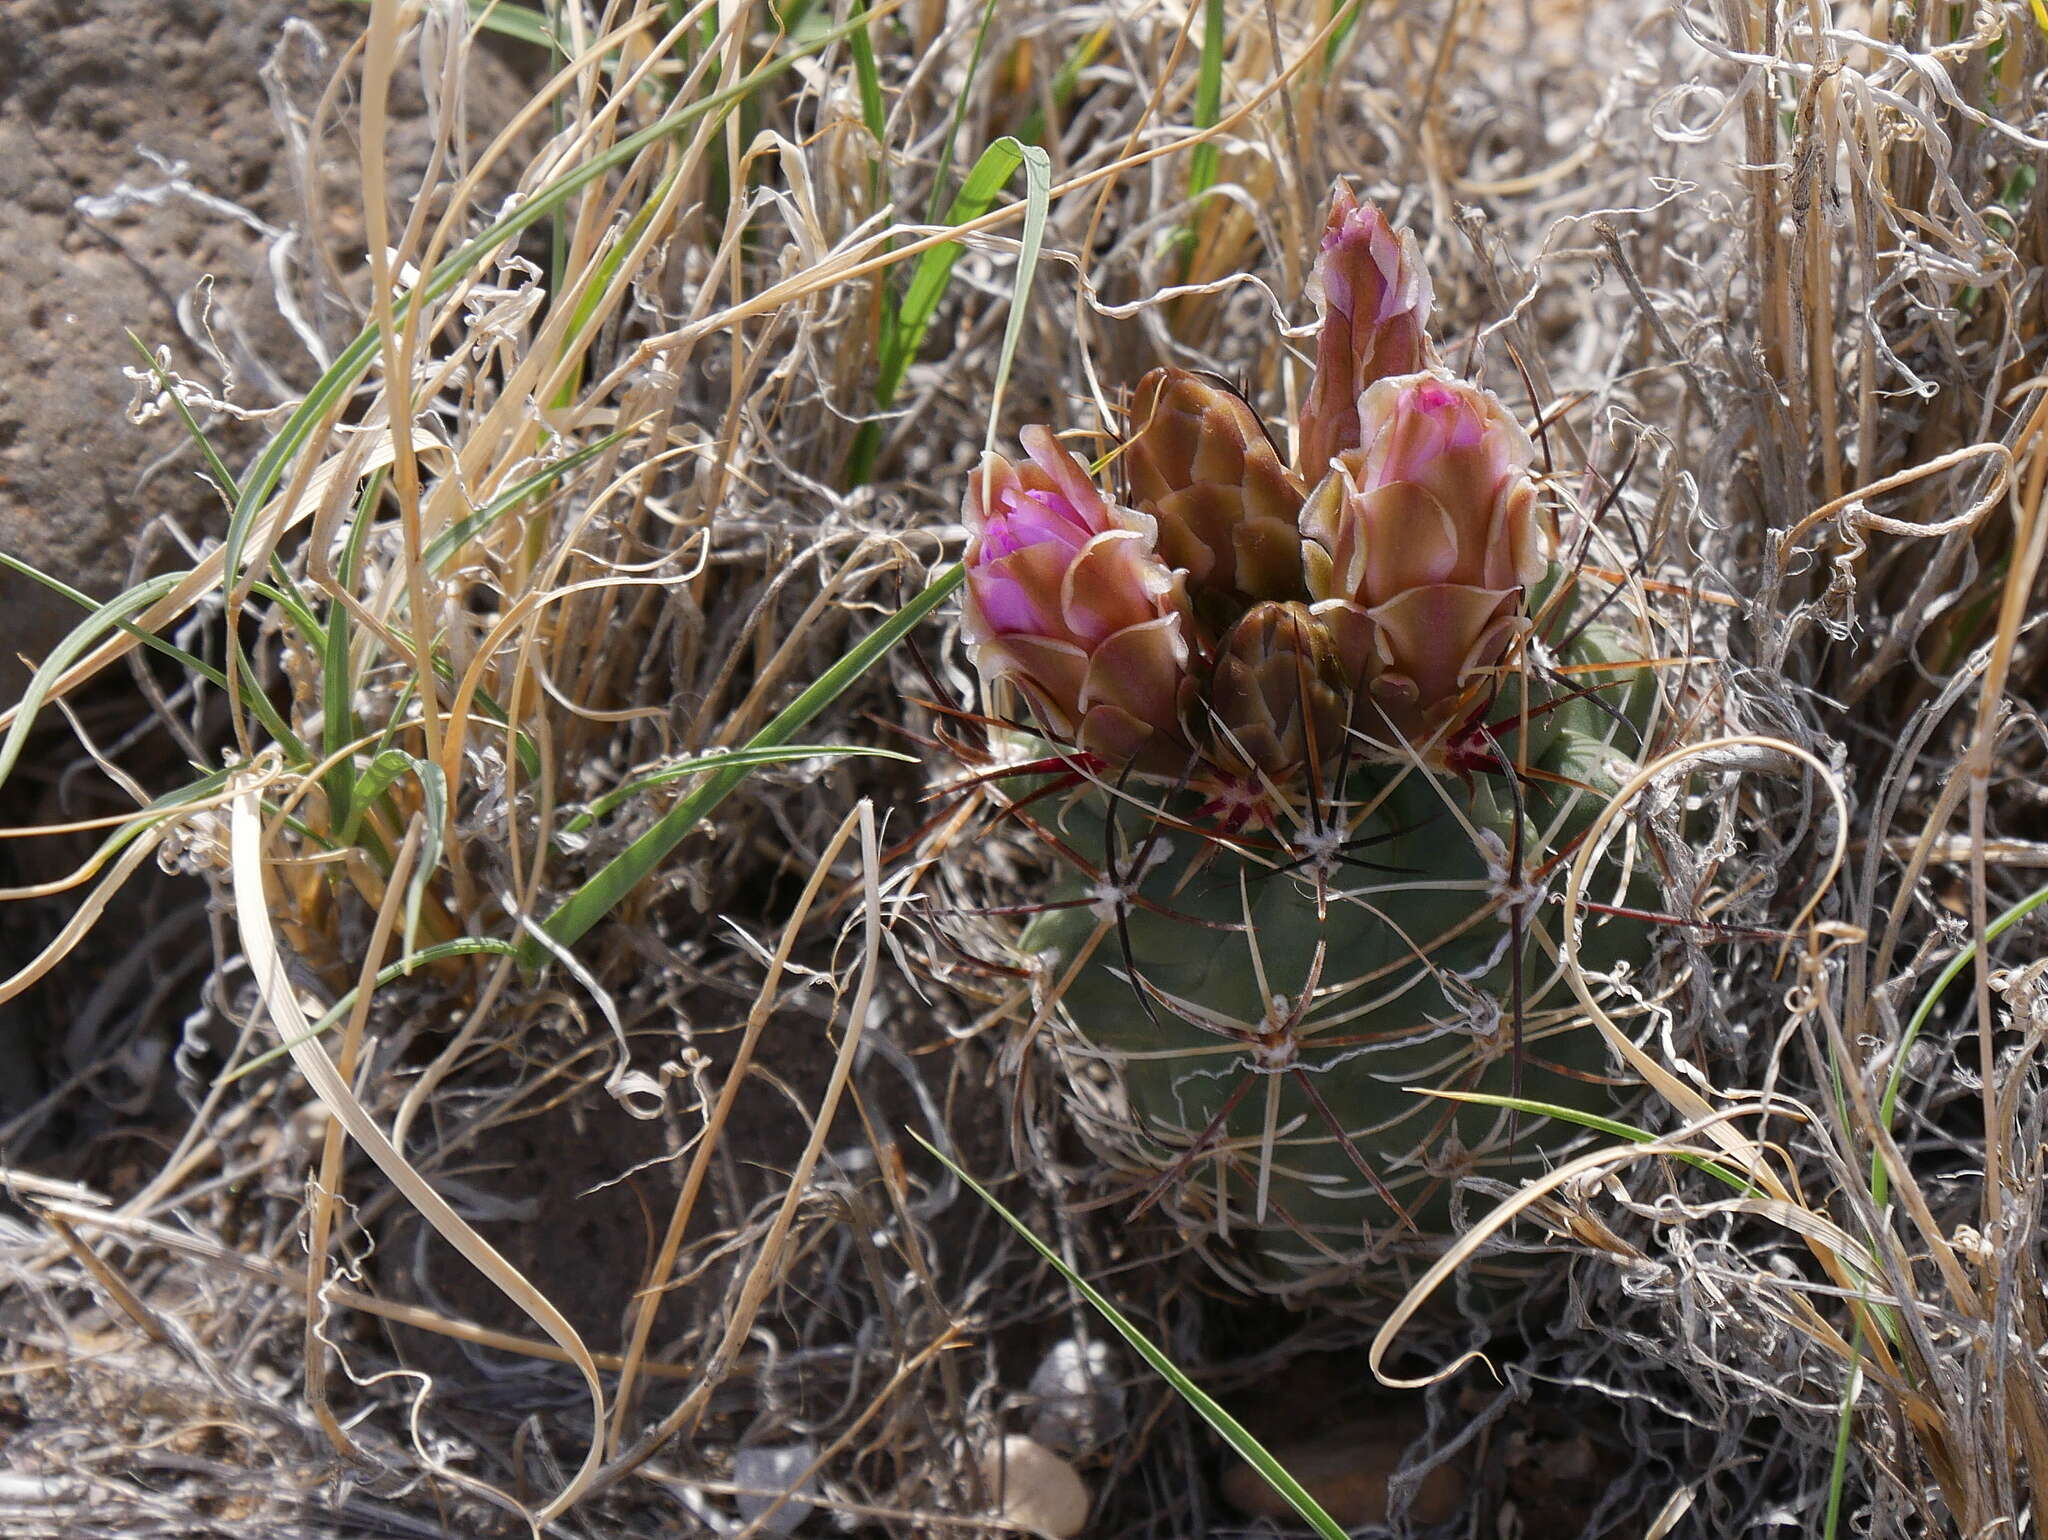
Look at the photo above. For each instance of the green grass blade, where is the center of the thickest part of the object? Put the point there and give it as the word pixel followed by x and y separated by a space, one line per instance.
pixel 386 768
pixel 602 893
pixel 1880 1179
pixel 307 624
pixel 1037 209
pixel 150 639
pixel 81 640
pixel 903 331
pixel 487 707
pixel 1340 36
pixel 1234 1432
pixel 1845 1423
pixel 1203 162
pixel 462 531
pixel 359 533
pixel 1598 1124
pixel 296 609
pixel 991 172
pixel 464 946
pixel 113 615
pixel 171 804
pixel 743 758
pixel 944 171
pixel 874 109
pixel 517 22
pixel 604 270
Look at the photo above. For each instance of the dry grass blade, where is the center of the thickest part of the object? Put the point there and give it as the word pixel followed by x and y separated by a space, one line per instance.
pixel 1474 1240
pixel 766 1272
pixel 320 1222
pixel 650 1291
pixel 281 1002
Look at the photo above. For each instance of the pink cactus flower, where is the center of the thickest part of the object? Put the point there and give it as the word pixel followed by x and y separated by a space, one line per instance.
pixel 1422 542
pixel 1068 600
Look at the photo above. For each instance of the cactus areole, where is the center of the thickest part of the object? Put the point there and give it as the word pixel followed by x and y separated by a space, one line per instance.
pixel 1312 745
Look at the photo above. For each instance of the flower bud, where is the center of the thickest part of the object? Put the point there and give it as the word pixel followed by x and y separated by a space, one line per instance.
pixel 1430 531
pixel 1374 298
pixel 1066 598
pixel 1200 463
pixel 1279 696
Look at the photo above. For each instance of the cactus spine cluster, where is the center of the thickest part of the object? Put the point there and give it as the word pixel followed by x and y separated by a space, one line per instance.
pixel 1312 742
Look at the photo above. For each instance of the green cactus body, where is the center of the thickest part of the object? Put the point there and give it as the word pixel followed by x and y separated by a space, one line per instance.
pixel 1239 1117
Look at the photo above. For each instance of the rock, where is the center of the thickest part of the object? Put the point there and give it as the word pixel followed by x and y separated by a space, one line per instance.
pixel 1034 1488
pixel 1080 1403
pixel 763 1469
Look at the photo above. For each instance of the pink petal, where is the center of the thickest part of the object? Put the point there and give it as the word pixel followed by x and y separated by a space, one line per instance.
pixel 1115 582
pixel 1021 591
pixel 1066 476
pixel 1142 670
pixel 1431 635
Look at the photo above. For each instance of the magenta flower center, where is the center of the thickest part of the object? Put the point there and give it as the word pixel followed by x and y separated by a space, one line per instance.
pixel 1036 518
pixel 1015 576
pixel 1434 397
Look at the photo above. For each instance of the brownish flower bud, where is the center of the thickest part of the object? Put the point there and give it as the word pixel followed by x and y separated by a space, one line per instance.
pixel 1200 463
pixel 1279 698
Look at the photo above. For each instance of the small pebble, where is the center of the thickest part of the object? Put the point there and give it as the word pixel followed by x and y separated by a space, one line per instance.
pixel 1080 1404
pixel 764 1472
pixel 1034 1488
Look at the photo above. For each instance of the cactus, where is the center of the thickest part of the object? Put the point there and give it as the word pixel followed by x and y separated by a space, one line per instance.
pixel 1305 847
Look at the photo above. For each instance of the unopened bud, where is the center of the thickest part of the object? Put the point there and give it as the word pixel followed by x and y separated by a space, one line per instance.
pixel 1429 530
pixel 1200 462
pixel 1279 697
pixel 1374 297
